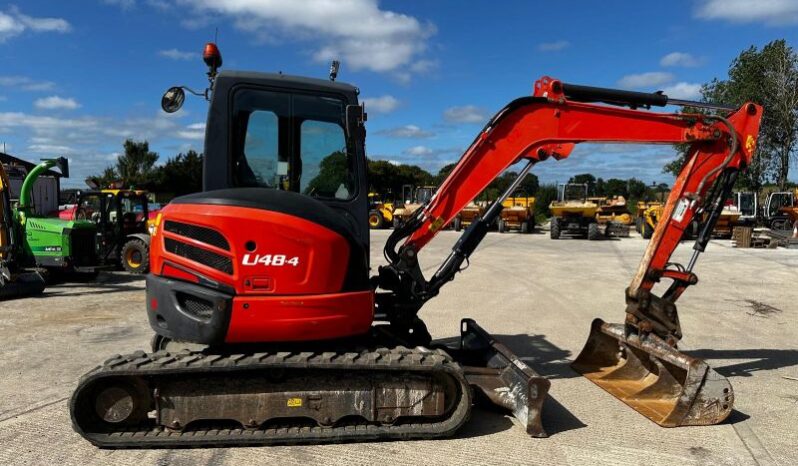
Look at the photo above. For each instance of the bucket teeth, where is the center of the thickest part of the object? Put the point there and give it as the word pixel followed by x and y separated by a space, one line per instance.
pixel 655 379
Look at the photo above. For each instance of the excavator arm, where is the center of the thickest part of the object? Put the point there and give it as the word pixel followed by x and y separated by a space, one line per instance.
pixel 547 125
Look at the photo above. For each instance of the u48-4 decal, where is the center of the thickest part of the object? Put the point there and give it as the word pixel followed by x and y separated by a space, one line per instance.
pixel 271 260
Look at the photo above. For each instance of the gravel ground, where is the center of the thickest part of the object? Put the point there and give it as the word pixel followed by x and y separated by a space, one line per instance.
pixel 536 295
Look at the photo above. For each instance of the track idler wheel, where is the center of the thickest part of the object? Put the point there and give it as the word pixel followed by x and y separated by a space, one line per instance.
pixel 121 401
pixel 654 378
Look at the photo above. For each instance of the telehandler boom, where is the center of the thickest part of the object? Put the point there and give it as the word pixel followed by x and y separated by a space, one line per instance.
pixel 268 269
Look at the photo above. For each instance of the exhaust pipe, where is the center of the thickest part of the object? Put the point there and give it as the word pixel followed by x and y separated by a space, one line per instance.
pixel 654 378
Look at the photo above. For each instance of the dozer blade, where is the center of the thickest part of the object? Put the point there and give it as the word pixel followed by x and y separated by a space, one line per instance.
pixel 655 379
pixel 497 373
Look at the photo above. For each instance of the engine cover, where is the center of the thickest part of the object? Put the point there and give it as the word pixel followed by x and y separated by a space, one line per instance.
pixel 278 271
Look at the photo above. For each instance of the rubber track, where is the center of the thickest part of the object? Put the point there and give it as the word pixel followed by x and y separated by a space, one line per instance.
pixel 163 363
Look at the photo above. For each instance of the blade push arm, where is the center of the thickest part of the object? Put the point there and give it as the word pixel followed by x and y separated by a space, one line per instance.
pixel 547 125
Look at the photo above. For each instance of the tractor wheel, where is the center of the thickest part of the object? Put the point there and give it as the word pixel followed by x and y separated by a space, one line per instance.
pixel 375 220
pixel 135 257
pixel 524 227
pixel 397 222
pixel 502 227
pixel 555 228
pixel 457 224
pixel 648 230
pixel 639 222
pixel 593 232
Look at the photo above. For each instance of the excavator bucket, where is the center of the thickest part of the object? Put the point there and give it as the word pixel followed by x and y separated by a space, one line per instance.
pixel 655 379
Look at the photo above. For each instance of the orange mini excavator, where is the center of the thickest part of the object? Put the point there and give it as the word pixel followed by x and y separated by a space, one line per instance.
pixel 270 330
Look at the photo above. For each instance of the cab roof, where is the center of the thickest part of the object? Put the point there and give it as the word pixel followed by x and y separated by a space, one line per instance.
pixel 227 78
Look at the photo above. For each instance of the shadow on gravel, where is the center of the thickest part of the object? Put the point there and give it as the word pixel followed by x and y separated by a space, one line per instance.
pixel 547 359
pixel 735 417
pixel 104 283
pixel 762 360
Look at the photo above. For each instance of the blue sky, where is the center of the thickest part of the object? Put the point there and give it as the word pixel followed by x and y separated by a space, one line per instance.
pixel 81 76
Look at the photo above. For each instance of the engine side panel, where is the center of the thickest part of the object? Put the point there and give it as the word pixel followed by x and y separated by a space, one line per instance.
pixel 254 251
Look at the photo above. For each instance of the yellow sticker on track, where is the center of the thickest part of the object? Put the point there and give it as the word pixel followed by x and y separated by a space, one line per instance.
pixel 294 403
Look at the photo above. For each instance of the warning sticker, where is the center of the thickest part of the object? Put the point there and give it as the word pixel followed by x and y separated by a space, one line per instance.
pixel 681 209
pixel 294 403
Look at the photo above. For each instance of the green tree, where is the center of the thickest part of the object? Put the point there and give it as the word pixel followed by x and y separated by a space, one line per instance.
pixel 768 77
pixel 636 189
pixel 333 171
pixel 584 178
pixel 616 187
pixel 103 180
pixel 181 174
pixel 444 172
pixel 135 166
pixel 545 195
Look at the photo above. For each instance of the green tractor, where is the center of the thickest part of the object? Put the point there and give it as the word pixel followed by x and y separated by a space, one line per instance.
pixel 50 243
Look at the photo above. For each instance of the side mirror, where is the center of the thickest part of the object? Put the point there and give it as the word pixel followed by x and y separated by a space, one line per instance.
pixel 173 99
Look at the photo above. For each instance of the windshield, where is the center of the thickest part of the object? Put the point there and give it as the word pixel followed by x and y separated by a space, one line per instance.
pixel 423 195
pixel 292 143
pixel 573 192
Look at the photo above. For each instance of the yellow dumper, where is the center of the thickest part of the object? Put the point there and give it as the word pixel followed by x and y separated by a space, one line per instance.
pixel 518 213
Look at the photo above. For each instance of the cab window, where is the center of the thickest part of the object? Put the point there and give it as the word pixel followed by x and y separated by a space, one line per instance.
pixel 293 143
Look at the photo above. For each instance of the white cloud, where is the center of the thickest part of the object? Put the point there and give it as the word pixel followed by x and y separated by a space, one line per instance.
pixel 382 104
pixel 555 46
pixel 159 4
pixel 55 102
pixel 25 83
pixel 769 12
pixel 91 138
pixel 195 131
pixel 419 151
pixel 50 149
pixel 680 59
pixel 683 90
pixel 124 4
pixel 14 23
pixel 176 54
pixel 406 131
pixel 357 32
pixel 650 79
pixel 465 114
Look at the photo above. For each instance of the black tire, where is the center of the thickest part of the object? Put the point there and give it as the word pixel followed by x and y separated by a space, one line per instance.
pixel 555 228
pixel 135 257
pixel 457 223
pixel 648 231
pixel 593 232
pixel 639 222
pixel 524 227
pixel 502 227
pixel 397 222
pixel 376 221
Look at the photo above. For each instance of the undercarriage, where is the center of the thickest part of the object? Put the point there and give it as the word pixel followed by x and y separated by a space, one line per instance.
pixel 345 393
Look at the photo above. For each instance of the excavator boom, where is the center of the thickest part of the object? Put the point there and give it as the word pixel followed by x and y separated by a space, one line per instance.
pixel 637 361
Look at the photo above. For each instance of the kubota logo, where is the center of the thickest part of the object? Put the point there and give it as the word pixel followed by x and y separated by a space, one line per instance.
pixel 271 260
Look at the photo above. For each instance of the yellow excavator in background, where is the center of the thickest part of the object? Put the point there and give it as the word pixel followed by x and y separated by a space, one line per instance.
pixel 14 282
